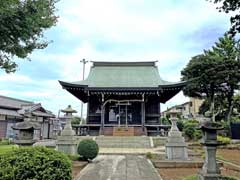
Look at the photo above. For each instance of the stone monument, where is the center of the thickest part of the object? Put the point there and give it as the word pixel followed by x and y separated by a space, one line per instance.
pixel 176 148
pixel 25 136
pixel 210 169
pixel 66 142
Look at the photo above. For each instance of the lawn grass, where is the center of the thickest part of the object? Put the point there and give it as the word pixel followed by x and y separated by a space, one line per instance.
pixel 6 148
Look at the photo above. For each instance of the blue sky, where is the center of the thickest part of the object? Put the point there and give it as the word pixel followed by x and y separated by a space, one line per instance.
pixel 169 31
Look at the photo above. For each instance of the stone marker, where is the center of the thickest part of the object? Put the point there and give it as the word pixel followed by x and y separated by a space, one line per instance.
pixel 210 169
pixel 176 148
pixel 66 142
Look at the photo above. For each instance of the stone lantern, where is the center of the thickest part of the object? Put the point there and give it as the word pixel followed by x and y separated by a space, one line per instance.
pixel 25 135
pixel 176 148
pixel 210 169
pixel 66 142
pixel 68 116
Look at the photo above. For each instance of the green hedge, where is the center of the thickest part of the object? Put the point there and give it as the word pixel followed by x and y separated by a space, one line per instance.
pixel 88 149
pixel 37 163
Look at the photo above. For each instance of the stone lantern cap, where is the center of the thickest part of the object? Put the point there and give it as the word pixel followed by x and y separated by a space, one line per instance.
pixel 69 109
pixel 173 114
pixel 209 125
pixel 209 130
pixel 26 125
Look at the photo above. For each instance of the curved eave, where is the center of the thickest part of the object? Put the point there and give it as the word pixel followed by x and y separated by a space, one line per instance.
pixel 67 85
pixel 165 92
pixel 173 85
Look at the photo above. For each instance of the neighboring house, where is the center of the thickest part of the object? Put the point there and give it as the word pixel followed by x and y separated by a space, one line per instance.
pixel 187 110
pixel 14 110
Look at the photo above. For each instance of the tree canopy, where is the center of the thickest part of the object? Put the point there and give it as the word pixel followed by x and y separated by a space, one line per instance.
pixel 230 6
pixel 22 23
pixel 215 74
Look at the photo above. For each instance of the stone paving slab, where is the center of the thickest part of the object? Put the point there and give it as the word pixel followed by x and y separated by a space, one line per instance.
pixel 119 167
pixel 139 151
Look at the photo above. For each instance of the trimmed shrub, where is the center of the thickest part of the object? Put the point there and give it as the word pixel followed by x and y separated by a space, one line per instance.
pixel 190 129
pixel 227 129
pixel 36 163
pixel 197 134
pixel 74 157
pixel 180 125
pixel 149 155
pixel 224 140
pixel 88 149
pixel 165 121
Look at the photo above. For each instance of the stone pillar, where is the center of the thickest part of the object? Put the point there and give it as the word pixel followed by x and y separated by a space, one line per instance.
pixel 210 169
pixel 176 148
pixel 66 142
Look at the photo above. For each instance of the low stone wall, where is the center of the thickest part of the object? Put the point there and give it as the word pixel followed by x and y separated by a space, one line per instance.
pixel 179 164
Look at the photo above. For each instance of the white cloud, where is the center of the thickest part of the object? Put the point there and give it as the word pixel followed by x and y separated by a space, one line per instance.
pixel 140 29
pixel 117 21
pixel 14 78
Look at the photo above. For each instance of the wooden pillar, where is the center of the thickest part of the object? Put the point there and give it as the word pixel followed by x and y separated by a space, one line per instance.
pixel 87 118
pixel 102 115
pixel 126 116
pixel 143 114
pixel 49 127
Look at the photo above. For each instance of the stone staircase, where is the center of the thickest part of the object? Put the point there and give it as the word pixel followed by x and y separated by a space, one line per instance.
pixel 123 141
pixel 123 131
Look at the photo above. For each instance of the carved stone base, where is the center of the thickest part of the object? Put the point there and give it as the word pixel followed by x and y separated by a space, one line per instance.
pixel 67 144
pixel 176 152
pixel 176 148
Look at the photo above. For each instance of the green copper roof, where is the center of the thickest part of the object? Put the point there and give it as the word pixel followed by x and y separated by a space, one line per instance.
pixel 122 74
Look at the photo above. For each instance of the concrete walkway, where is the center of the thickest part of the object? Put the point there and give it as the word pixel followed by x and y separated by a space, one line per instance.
pixel 119 167
pixel 132 151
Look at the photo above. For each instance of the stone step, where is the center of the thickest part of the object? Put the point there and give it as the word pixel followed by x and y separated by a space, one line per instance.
pixel 123 131
pixel 123 142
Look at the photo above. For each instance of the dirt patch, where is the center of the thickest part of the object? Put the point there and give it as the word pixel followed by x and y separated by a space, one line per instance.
pixel 230 155
pixel 230 172
pixel 176 173
pixel 77 166
pixel 179 173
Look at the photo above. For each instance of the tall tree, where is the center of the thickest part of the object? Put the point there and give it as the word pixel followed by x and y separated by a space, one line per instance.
pixel 226 52
pixel 237 102
pixel 215 74
pixel 202 80
pixel 230 6
pixel 22 23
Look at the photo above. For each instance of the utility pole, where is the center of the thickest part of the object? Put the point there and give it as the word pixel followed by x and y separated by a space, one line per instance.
pixel 84 63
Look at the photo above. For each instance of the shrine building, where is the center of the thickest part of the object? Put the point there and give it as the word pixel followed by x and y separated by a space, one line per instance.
pixel 123 98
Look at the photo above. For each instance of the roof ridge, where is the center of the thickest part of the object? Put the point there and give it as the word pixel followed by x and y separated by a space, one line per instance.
pixel 121 63
pixel 7 97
